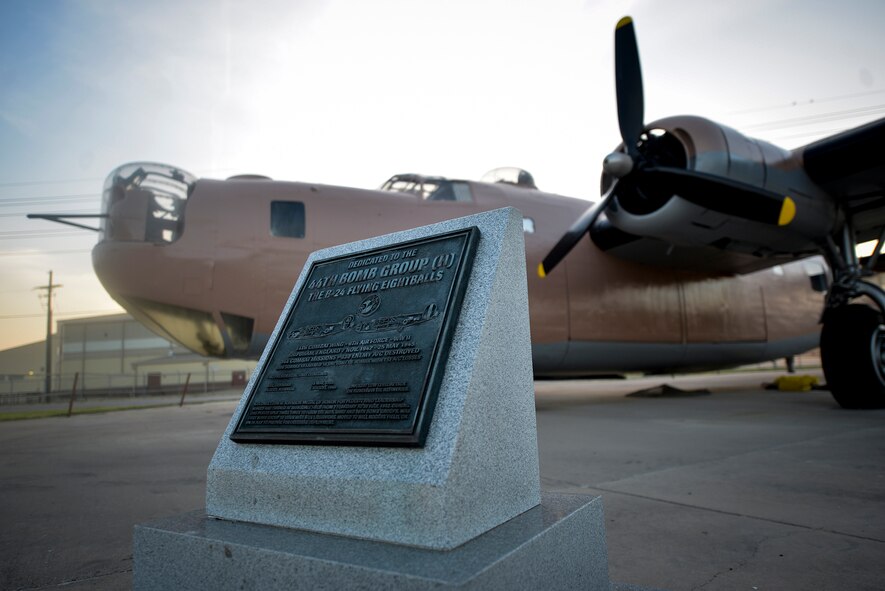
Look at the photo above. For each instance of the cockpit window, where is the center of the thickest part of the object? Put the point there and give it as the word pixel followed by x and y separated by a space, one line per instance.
pixel 429 188
pixel 415 185
pixel 510 176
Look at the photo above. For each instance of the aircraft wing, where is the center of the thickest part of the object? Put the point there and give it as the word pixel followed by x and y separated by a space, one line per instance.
pixel 850 166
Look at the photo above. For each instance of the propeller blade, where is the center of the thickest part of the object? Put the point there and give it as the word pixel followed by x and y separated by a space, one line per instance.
pixel 574 234
pixel 723 195
pixel 628 85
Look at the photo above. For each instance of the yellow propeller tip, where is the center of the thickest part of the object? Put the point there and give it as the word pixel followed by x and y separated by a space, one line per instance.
pixel 788 212
pixel 624 22
pixel 541 272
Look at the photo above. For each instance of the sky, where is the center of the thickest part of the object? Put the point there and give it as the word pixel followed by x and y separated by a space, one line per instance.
pixel 347 92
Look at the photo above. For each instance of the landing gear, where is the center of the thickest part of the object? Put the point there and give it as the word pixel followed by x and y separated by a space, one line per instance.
pixel 852 341
pixel 852 348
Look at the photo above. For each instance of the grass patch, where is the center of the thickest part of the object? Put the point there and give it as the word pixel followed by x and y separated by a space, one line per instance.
pixel 25 415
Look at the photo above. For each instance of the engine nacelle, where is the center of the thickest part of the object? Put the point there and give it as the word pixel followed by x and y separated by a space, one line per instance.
pixel 694 143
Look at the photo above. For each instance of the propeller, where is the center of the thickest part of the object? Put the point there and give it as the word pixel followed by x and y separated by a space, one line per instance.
pixel 628 85
pixel 575 233
pixel 645 173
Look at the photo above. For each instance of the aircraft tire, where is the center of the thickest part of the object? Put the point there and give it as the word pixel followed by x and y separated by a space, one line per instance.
pixel 852 346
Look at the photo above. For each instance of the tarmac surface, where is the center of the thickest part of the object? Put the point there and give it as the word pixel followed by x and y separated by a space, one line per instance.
pixel 744 488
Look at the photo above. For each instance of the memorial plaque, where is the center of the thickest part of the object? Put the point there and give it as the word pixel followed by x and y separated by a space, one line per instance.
pixel 363 349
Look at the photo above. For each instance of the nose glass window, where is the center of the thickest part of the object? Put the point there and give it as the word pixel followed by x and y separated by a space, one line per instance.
pixel 145 201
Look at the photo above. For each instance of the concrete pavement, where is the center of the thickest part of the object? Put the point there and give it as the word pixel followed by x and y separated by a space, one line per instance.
pixel 741 489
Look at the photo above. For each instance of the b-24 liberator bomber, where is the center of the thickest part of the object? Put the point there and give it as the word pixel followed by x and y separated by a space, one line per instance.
pixel 707 249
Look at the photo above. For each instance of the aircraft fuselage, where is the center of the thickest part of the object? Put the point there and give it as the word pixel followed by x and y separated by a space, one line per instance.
pixel 219 284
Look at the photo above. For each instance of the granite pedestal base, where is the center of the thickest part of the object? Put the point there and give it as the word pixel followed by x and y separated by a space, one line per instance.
pixel 557 545
pixel 479 465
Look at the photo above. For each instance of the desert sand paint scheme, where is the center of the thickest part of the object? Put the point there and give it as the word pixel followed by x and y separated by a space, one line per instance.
pixel 596 313
pixel 707 249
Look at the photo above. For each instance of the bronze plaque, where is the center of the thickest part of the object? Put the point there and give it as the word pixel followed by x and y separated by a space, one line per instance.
pixel 364 346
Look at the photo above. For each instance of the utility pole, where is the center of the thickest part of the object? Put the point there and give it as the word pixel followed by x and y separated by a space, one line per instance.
pixel 49 288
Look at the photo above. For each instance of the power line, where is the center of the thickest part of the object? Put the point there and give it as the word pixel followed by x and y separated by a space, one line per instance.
pixel 53 182
pixel 58 315
pixel 819 118
pixel 821 133
pixel 25 234
pixel 808 102
pixel 18 253
pixel 27 183
pixel 20 316
pixel 39 199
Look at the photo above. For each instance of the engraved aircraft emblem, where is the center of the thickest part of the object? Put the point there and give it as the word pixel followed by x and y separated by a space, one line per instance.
pixel 399 322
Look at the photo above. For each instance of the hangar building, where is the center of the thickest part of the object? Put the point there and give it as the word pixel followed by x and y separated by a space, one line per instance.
pixel 115 355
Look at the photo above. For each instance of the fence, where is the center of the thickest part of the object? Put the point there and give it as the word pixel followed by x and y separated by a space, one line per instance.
pixel 28 389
